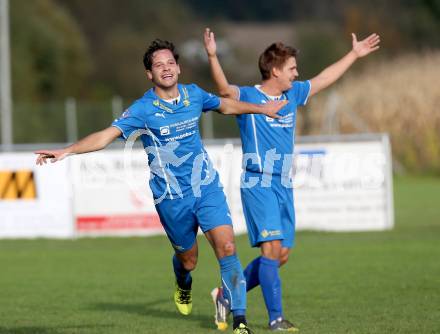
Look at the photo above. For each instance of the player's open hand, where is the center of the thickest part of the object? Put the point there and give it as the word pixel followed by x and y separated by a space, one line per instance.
pixel 366 46
pixel 53 155
pixel 271 108
pixel 210 44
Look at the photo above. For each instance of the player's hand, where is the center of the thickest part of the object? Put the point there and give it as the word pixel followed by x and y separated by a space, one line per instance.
pixel 271 108
pixel 53 155
pixel 366 46
pixel 210 44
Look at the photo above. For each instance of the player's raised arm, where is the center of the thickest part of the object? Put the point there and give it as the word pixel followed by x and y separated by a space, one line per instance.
pixel 223 87
pixel 234 107
pixel 94 142
pixel 335 71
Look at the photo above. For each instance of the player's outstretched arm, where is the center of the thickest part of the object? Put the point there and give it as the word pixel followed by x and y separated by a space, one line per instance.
pixel 335 71
pixel 94 142
pixel 223 87
pixel 234 107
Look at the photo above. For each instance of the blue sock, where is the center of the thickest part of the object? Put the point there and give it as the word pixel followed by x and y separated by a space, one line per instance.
pixel 183 276
pixel 251 274
pixel 270 283
pixel 234 284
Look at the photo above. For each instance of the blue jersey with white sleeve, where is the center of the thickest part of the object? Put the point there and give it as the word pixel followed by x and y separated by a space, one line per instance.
pixel 266 141
pixel 171 138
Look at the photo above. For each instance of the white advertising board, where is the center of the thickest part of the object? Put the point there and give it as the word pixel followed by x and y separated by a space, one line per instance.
pixel 339 184
pixel 34 201
pixel 112 196
pixel 343 186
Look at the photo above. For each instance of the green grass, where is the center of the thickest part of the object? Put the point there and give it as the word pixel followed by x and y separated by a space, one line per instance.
pixel 382 282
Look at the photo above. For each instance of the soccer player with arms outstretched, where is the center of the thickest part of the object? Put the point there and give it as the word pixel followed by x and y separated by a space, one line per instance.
pixel 266 190
pixel 186 188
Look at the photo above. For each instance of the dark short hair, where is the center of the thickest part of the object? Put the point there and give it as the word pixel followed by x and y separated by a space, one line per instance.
pixel 275 56
pixel 156 45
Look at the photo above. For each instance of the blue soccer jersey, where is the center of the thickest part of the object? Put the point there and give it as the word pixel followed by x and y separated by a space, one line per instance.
pixel 266 142
pixel 170 135
pixel 268 148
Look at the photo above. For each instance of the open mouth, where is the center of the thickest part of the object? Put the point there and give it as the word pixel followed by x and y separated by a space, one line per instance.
pixel 167 76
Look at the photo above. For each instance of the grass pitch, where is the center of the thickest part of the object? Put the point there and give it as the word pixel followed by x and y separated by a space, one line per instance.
pixel 382 282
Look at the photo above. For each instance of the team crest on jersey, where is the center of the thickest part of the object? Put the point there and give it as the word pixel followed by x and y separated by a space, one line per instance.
pixel 159 105
pixel 186 102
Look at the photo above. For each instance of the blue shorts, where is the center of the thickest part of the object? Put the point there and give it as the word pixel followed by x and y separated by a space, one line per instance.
pixel 182 217
pixel 269 213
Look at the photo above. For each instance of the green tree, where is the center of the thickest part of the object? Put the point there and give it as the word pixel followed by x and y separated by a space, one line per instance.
pixel 48 52
pixel 49 62
pixel 118 34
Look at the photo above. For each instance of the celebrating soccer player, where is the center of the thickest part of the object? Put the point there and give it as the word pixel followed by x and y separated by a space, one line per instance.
pixel 185 186
pixel 266 190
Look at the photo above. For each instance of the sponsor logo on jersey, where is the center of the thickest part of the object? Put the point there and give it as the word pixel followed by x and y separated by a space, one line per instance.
pixel 181 136
pixel 265 233
pixel 164 130
pixel 179 248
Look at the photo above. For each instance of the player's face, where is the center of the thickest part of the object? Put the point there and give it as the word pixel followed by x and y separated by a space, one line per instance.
pixel 164 69
pixel 287 74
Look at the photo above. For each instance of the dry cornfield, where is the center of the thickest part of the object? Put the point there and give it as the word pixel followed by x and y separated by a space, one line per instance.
pixel 400 97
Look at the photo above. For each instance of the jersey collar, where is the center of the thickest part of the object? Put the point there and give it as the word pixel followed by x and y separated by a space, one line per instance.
pixel 166 106
pixel 270 97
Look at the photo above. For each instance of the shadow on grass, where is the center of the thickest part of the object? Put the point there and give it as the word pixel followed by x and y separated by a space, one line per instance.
pixel 49 330
pixel 155 309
